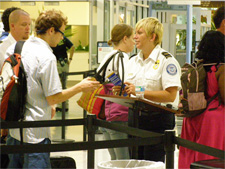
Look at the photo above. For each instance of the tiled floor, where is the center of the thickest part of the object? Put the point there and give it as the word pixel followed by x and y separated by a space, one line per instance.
pixel 76 133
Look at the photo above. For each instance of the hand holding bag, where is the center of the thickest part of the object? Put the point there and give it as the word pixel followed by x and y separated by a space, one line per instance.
pixel 95 105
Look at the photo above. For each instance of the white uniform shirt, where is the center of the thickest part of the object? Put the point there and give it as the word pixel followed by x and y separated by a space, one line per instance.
pixel 42 81
pixel 110 66
pixel 158 72
pixel 4 46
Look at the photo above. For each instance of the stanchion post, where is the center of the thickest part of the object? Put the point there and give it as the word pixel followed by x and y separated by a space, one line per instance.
pixel 63 104
pixel 169 148
pixel 84 114
pixel 91 138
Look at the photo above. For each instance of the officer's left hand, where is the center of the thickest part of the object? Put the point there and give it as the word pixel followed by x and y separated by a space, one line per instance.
pixel 130 88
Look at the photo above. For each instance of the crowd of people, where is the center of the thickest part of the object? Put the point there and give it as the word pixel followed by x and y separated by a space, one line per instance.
pixel 155 67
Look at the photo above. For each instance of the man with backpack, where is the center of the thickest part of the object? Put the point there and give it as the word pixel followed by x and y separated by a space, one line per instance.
pixel 43 87
pixel 19 25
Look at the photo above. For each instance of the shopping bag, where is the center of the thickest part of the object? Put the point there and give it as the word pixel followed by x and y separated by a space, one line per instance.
pixel 92 104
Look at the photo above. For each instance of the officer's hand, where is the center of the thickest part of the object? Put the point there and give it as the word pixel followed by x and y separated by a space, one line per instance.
pixel 116 90
pixel 130 88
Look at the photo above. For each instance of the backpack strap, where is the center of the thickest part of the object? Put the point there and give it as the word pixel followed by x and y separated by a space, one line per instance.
pixel 18 50
pixel 212 98
pixel 19 46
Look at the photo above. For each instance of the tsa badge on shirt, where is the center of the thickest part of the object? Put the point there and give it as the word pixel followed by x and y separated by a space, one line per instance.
pixel 156 65
pixel 171 69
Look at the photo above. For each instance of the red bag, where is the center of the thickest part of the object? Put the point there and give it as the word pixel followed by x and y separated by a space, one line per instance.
pixel 92 104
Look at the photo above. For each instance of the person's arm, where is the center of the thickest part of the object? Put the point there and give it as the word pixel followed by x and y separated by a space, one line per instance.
pixel 71 53
pixel 85 85
pixel 53 110
pixel 167 95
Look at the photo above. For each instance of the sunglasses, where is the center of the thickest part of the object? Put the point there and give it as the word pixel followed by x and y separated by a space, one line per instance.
pixel 60 32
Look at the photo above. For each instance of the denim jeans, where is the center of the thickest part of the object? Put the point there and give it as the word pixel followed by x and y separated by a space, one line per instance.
pixel 30 160
pixel 116 153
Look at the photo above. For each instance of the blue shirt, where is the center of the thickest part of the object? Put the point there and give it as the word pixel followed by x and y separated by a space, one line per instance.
pixel 4 35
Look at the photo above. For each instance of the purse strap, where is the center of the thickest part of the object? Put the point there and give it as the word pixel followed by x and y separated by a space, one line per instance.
pixel 104 67
pixel 122 65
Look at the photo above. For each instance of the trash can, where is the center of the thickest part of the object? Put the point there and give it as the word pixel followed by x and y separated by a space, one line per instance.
pixel 131 164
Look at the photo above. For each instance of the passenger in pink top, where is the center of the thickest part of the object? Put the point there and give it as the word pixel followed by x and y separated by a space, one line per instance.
pixel 208 128
pixel 121 39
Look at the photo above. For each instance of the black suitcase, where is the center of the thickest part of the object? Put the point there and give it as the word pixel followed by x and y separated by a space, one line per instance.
pixel 61 162
pixel 4 157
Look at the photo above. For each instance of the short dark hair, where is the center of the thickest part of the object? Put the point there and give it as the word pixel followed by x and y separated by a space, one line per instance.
pixel 219 16
pixel 5 17
pixel 212 47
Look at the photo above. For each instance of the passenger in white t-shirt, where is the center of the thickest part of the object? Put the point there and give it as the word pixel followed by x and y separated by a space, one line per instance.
pixel 44 87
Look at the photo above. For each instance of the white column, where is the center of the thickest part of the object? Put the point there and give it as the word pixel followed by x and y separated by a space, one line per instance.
pixel 100 20
pixel 189 33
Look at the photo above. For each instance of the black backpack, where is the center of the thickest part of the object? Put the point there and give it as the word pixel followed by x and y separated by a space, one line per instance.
pixel 13 86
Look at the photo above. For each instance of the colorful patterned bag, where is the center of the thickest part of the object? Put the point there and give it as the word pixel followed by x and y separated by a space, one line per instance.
pixel 92 104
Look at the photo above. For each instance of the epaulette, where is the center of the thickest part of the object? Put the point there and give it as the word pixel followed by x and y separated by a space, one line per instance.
pixel 166 54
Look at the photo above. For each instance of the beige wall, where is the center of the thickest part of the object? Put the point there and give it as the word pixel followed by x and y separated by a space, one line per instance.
pixel 77 12
pixel 80 33
pixel 78 17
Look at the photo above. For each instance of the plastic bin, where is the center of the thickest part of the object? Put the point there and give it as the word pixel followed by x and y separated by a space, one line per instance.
pixel 138 164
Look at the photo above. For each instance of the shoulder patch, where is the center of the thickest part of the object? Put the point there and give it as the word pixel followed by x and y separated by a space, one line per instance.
pixel 166 54
pixel 171 69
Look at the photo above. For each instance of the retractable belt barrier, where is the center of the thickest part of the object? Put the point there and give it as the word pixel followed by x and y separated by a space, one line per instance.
pixel 142 137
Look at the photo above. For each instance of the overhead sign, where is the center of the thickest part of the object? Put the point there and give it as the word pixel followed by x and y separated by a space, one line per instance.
pixel 184 2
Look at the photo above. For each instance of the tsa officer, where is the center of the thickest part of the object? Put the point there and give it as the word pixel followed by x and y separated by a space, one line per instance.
pixel 160 73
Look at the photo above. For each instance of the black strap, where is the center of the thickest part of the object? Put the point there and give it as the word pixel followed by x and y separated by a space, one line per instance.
pixel 18 50
pixel 121 58
pixel 19 46
pixel 212 98
pixel 103 68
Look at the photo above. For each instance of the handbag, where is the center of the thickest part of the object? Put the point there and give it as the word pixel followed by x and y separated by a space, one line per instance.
pixel 95 105
pixel 101 78
pixel 92 104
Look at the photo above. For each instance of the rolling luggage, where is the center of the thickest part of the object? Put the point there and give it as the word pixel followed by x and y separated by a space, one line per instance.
pixel 61 162
pixel 4 157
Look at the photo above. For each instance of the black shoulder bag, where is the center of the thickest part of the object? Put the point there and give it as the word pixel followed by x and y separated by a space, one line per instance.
pixel 101 78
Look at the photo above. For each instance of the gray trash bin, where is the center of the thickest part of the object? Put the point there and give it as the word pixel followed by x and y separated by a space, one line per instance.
pixel 138 164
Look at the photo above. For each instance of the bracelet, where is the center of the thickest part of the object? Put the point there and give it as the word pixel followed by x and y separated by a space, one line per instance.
pixel 140 96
